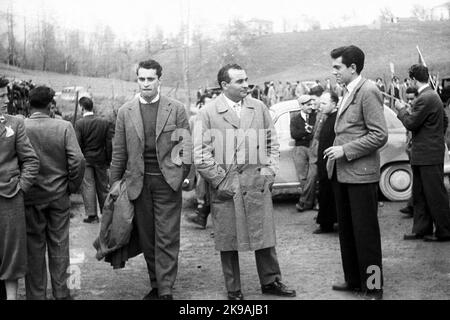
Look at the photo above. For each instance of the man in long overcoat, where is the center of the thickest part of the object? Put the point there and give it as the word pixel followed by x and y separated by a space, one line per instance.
pixel 236 151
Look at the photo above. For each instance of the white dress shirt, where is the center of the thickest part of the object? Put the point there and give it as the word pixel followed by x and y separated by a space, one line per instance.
pixel 235 106
pixel 350 88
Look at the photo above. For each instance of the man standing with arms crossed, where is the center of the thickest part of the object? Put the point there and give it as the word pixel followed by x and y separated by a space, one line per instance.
pixel 145 153
pixel 236 151
pixel 354 167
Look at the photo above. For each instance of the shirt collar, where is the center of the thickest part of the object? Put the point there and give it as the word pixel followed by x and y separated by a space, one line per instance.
pixel 422 88
pixel 231 103
pixel 143 101
pixel 39 114
pixel 352 85
pixel 88 113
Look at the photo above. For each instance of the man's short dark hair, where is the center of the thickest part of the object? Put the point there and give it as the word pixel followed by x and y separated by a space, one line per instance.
pixel 223 74
pixel 86 103
pixel 41 96
pixel 334 97
pixel 419 72
pixel 3 82
pixel 316 91
pixel 350 54
pixel 412 90
pixel 150 64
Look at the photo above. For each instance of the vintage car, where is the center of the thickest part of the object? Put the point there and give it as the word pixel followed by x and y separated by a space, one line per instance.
pixel 396 175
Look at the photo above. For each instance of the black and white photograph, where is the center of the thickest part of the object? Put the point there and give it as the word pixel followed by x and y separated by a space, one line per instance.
pixel 226 154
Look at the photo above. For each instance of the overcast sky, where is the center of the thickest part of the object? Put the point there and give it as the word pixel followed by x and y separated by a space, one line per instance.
pixel 130 18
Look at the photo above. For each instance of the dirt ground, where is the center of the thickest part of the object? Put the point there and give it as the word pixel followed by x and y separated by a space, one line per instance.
pixel 309 263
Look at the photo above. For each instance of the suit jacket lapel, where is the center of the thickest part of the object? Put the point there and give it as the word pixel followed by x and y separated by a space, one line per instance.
pixel 351 97
pixel 164 111
pixel 229 116
pixel 136 117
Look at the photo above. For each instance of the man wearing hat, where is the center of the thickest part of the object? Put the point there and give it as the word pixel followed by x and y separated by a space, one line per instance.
pixel 47 202
pixel 302 124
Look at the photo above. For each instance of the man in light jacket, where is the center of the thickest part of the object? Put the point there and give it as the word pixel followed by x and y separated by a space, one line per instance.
pixel 236 151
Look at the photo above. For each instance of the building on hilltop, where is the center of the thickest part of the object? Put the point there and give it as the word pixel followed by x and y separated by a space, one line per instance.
pixel 259 27
pixel 441 12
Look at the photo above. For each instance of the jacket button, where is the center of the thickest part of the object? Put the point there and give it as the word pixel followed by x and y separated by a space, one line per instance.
pixel 241 172
pixel 244 193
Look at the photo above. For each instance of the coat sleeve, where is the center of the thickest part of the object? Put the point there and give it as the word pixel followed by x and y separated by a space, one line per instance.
pixel 272 144
pixel 119 153
pixel 204 160
pixel 414 120
pixel 108 142
pixel 79 134
pixel 375 122
pixel 75 160
pixel 28 160
pixel 186 140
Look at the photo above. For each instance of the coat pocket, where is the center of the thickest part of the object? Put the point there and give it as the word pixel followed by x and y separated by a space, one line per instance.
pixel 169 127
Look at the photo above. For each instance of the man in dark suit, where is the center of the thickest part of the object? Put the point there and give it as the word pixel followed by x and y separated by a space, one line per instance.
pixel 152 152
pixel 302 131
pixel 354 167
pixel 427 122
pixel 326 216
pixel 94 135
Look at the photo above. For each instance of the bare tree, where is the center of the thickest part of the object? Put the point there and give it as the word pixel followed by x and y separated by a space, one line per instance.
pixel 419 12
pixel 12 59
pixel 386 14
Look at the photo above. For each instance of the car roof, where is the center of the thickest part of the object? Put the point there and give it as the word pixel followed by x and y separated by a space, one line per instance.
pixel 292 105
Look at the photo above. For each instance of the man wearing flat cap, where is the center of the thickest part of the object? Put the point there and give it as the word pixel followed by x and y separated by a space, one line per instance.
pixel 47 202
pixel 302 124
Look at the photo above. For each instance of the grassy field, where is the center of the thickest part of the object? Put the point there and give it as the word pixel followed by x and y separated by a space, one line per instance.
pixel 305 55
pixel 284 57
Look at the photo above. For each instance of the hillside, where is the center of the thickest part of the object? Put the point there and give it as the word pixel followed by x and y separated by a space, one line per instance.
pixel 305 55
pixel 284 57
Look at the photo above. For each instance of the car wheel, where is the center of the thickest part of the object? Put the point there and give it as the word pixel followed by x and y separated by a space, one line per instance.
pixel 396 181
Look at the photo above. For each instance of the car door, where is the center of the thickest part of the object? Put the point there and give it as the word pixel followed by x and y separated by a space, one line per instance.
pixel 287 176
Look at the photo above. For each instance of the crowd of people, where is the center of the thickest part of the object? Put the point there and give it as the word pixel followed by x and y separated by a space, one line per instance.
pixel 154 151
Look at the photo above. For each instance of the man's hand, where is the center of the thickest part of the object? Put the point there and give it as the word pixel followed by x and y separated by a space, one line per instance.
pixel 334 153
pixel 399 105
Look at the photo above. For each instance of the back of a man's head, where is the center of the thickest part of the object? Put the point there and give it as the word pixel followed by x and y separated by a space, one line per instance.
pixel 419 72
pixel 40 97
pixel 86 103
pixel 3 82
pixel 350 54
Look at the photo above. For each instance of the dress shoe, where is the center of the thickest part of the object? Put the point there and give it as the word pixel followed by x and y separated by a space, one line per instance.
pixel 91 219
pixel 166 297
pixel 321 230
pixel 412 236
pixel 235 295
pixel 152 295
pixel 300 207
pixel 198 220
pixel 433 238
pixel 407 210
pixel 345 286
pixel 376 294
pixel 278 289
